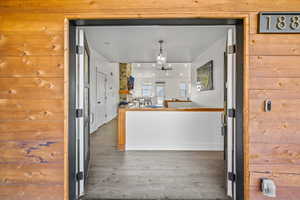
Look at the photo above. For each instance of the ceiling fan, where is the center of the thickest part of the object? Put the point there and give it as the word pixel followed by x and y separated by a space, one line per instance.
pixel 161 60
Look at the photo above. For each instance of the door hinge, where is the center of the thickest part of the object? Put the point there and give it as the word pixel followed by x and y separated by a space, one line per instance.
pixel 79 176
pixel 79 49
pixel 79 113
pixel 231 49
pixel 224 130
pixel 231 112
pixel 231 176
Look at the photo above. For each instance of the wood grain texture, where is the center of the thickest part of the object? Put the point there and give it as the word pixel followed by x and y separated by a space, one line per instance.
pixel 281 180
pixel 274 44
pixel 29 22
pixel 284 193
pixel 274 168
pixel 283 109
pixel 31 152
pixel 31 191
pixel 291 84
pixel 143 6
pixel 121 129
pixel 273 94
pixel 19 43
pixel 32 66
pixel 31 88
pixel 33 29
pixel 32 174
pixel 32 105
pixel 283 154
pixel 18 109
pixel 275 66
pixel 287 185
pixel 31 130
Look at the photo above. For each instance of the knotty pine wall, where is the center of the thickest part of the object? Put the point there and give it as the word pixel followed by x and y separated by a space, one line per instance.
pixel 32 90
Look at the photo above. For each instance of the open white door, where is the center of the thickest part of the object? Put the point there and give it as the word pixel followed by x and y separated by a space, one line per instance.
pixel 230 108
pixel 82 112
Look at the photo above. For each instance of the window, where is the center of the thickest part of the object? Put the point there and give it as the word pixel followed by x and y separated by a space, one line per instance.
pixel 183 90
pixel 146 90
pixel 160 93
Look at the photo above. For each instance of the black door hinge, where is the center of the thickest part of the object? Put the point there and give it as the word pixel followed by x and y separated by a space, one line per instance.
pixel 231 112
pixel 79 113
pixel 231 176
pixel 79 49
pixel 224 130
pixel 79 176
pixel 231 49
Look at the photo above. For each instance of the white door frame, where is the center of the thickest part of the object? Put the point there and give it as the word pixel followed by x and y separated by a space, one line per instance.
pixel 80 106
pixel 231 107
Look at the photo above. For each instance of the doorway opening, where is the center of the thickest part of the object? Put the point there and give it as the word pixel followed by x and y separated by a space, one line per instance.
pixel 156 109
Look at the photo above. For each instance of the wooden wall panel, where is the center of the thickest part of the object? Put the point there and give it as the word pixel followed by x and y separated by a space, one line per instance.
pixel 275 66
pixel 32 174
pixel 28 22
pixel 273 94
pixel 22 43
pixel 283 154
pixel 31 130
pixel 274 44
pixel 291 84
pixel 31 151
pixel 283 109
pixel 31 191
pixel 31 88
pixel 32 66
pixel 288 186
pixel 17 109
pixel 144 6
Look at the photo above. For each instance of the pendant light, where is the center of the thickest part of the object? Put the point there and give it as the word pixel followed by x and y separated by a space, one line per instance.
pixel 161 59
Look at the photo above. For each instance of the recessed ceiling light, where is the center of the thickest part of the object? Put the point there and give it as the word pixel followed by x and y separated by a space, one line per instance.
pixel 181 74
pixel 138 64
pixel 153 65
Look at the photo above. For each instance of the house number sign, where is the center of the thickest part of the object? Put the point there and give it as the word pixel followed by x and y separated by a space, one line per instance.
pixel 279 22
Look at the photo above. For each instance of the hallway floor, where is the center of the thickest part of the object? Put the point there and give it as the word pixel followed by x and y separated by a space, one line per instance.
pixel 151 174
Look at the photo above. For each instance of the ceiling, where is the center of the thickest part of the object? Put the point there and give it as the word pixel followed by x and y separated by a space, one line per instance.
pixel 149 70
pixel 131 44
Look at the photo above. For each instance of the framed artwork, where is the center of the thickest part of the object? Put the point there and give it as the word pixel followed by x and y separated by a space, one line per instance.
pixel 205 77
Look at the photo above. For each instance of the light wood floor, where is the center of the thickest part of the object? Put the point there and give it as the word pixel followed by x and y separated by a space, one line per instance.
pixel 151 174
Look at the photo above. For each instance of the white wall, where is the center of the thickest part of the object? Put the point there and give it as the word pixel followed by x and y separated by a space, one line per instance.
pixel 148 73
pixel 165 130
pixel 215 97
pixel 107 110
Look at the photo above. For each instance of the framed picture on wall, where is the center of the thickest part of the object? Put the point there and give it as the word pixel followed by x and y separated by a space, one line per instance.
pixel 205 77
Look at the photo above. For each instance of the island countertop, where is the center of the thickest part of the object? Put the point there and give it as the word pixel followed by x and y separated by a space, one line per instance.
pixel 122 118
pixel 192 109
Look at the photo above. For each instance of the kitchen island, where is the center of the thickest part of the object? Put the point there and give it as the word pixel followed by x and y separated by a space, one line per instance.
pixel 170 129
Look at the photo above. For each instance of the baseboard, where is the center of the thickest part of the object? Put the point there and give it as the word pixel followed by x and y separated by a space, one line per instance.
pixel 202 147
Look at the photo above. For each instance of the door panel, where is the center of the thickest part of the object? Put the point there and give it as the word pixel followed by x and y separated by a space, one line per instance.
pixel 101 81
pixel 230 109
pixel 83 112
pixel 86 109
